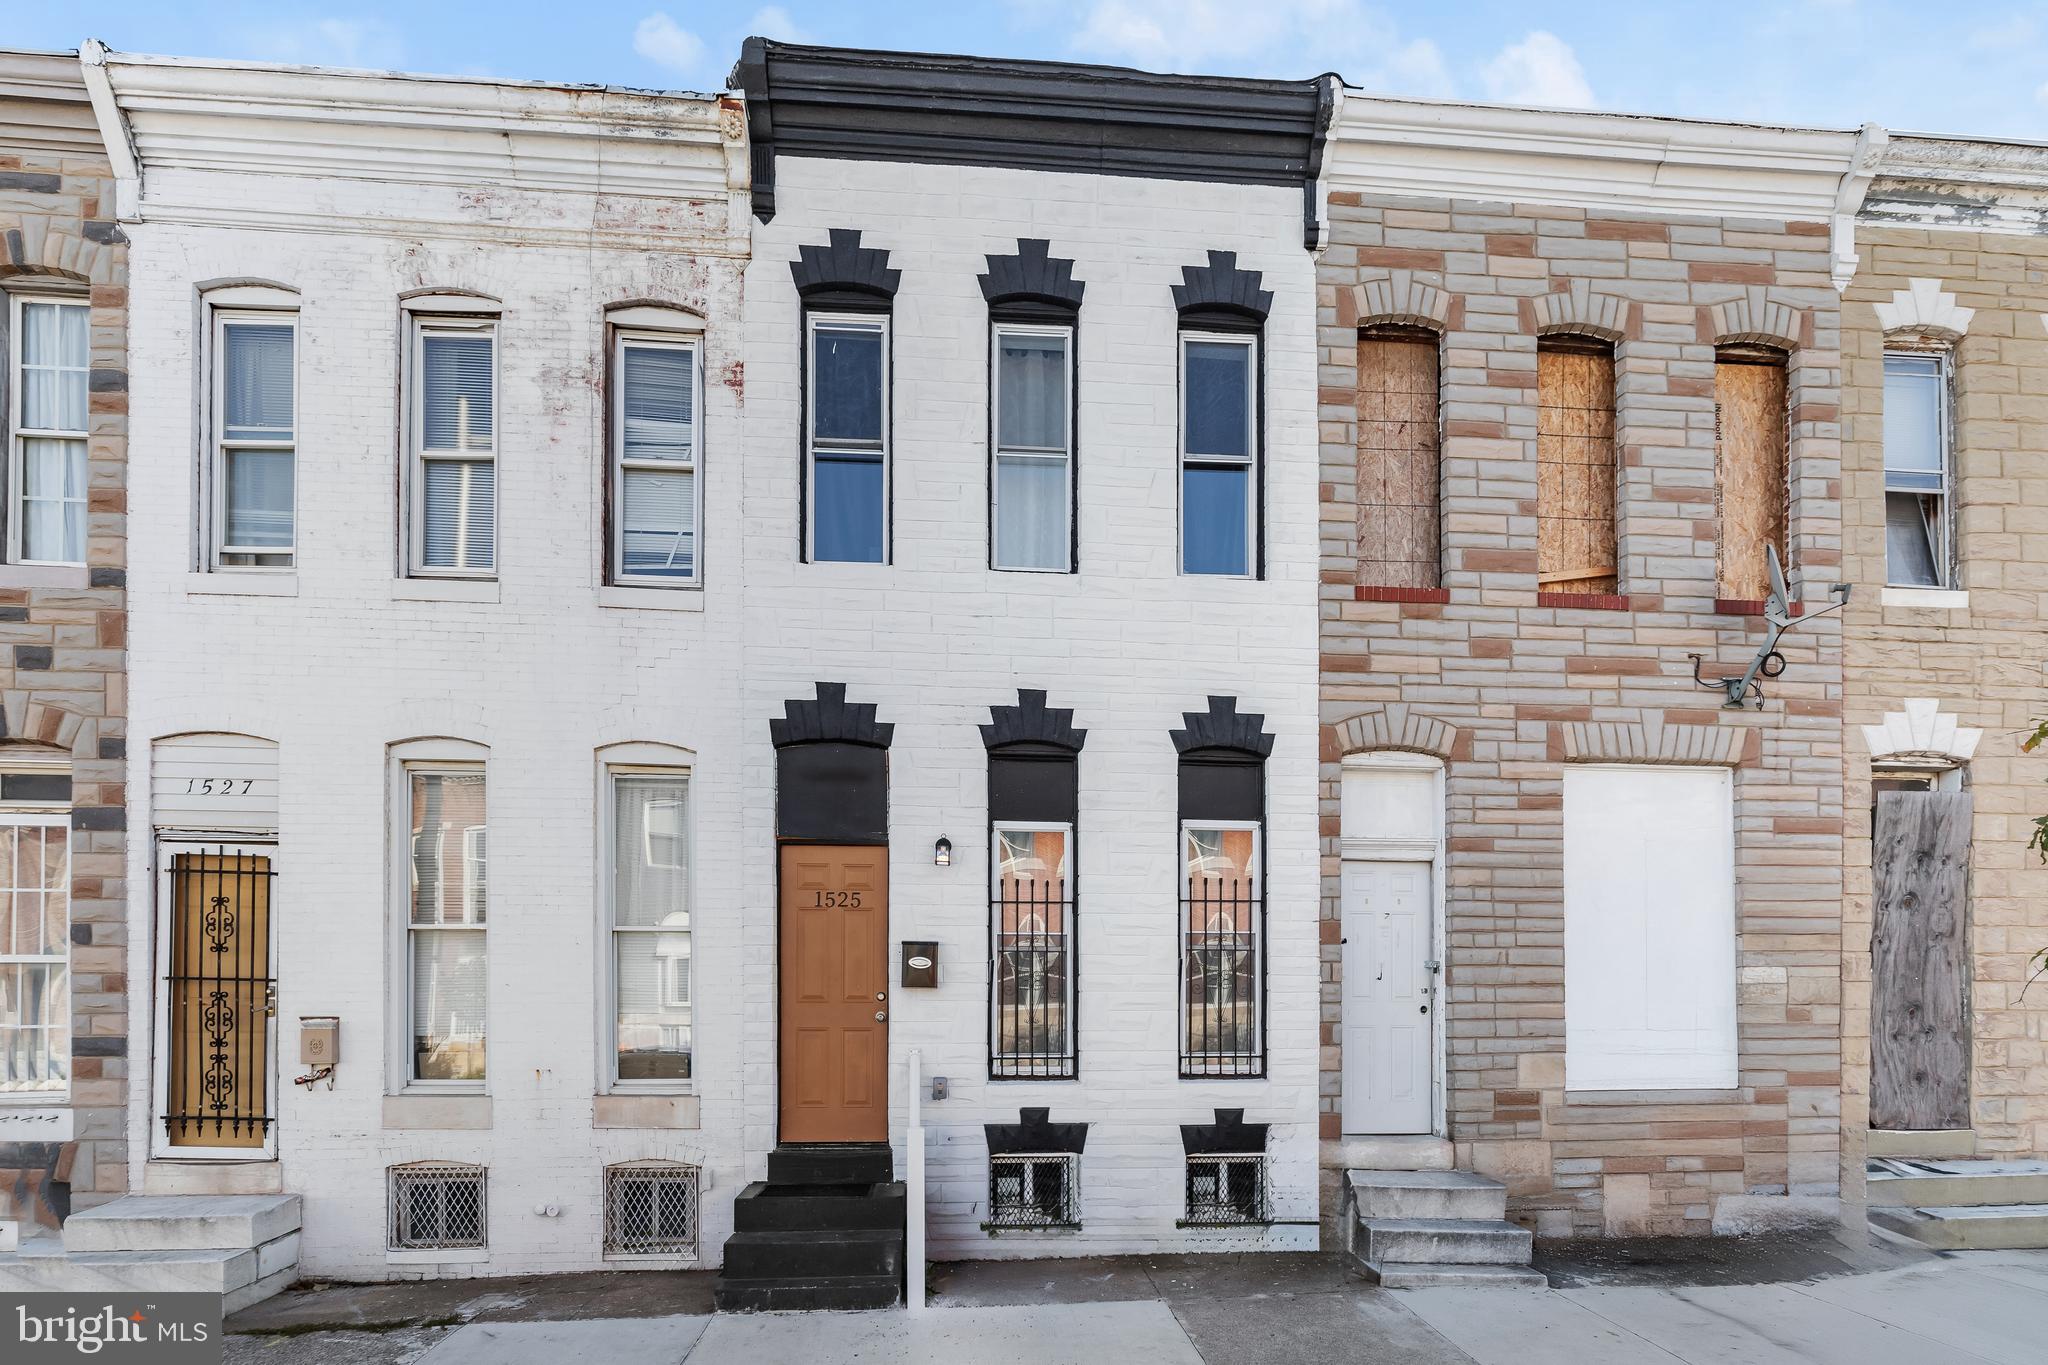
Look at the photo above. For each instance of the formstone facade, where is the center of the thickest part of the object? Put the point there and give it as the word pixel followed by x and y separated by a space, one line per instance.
pixel 1509 686
pixel 62 677
pixel 1954 259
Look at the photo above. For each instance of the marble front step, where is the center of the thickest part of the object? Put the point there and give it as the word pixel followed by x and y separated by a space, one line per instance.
pixel 195 1222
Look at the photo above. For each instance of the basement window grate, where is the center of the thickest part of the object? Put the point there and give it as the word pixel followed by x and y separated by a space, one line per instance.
pixel 436 1206
pixel 650 1209
pixel 1226 1190
pixel 1034 1190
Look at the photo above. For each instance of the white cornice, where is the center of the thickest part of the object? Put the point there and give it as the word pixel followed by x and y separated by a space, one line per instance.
pixel 308 122
pixel 1970 184
pixel 1596 161
pixel 43 105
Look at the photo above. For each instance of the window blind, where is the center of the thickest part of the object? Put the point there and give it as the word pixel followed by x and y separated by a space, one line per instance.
pixel 257 381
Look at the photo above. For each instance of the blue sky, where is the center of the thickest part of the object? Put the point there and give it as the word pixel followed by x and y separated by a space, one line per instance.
pixel 1973 66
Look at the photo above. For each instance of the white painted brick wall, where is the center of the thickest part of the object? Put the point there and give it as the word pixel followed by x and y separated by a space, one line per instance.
pixel 936 638
pixel 546 675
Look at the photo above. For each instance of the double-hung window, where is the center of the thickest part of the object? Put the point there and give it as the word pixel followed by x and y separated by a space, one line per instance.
pixel 255 406
pixel 453 437
pixel 1219 495
pixel 48 420
pixel 1223 942
pixel 1033 485
pixel 649 917
pixel 1917 518
pixel 35 939
pixel 655 446
pixel 847 410
pixel 447 887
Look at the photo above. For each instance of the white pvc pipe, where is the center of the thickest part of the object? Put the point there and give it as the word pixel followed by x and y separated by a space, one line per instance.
pixel 913 1230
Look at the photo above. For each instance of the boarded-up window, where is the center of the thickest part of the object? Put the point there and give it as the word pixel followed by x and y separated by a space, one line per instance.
pixel 1649 928
pixel 1749 467
pixel 1398 463
pixel 1575 466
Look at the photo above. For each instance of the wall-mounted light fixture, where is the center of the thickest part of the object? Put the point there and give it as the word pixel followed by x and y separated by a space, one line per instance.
pixel 942 852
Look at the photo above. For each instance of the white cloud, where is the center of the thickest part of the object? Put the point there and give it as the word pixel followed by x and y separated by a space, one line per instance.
pixel 664 42
pixel 1414 68
pixel 328 42
pixel 1287 38
pixel 773 21
pixel 1541 69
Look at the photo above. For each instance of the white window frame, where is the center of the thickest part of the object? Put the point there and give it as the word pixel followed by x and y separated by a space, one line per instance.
pixel 1070 903
pixel 648 339
pixel 1944 546
pixel 19 433
pixel 1254 495
pixel 420 324
pixel 639 760
pixel 219 447
pixel 1180 985
pixel 879 323
pixel 444 757
pixel 998 452
pixel 52 817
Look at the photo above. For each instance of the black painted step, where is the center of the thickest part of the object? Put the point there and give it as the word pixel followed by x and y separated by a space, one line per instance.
pixel 808 1254
pixel 762 1207
pixel 837 1292
pixel 836 1163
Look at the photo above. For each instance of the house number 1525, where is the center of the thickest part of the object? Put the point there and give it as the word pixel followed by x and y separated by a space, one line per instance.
pixel 835 900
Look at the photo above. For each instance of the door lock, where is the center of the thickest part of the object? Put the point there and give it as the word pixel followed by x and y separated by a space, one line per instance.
pixel 270 1000
pixel 881 995
pixel 881 1015
pixel 1422 1009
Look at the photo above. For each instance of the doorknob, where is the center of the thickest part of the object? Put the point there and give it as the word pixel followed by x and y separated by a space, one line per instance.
pixel 881 1015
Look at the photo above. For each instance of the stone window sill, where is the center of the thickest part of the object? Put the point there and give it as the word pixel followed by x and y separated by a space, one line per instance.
pixel 45 576
pixel 1634 1098
pixel 1939 599
pixel 437 1111
pixel 451 1256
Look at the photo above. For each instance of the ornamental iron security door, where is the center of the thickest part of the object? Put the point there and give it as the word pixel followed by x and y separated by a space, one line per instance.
pixel 221 997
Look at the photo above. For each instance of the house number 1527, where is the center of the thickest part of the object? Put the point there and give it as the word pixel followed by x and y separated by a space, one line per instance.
pixel 218 786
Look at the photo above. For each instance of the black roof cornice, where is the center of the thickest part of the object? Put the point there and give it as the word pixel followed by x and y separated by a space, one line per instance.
pixel 849 104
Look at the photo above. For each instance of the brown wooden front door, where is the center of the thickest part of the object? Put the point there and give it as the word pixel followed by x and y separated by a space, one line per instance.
pixel 1919 962
pixel 835 985
pixel 219 989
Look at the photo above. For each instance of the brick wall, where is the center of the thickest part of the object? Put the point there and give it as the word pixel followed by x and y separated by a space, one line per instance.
pixel 935 638
pixel 61 672
pixel 1507 690
pixel 1982 662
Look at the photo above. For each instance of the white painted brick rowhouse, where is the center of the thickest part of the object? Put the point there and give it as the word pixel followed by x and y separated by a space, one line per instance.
pixel 546 205
pixel 1127 642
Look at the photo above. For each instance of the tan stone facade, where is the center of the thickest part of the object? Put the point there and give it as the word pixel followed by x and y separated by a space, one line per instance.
pixel 64 630
pixel 1979 655
pixel 1509 686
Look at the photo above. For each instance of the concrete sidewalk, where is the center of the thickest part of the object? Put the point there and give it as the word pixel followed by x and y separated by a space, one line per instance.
pixel 1753 1303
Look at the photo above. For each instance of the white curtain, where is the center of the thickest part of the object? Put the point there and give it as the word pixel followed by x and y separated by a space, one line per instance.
pixel 55 360
pixel 53 500
pixel 259 498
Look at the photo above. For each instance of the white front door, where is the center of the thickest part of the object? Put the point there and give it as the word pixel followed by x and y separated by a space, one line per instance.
pixel 1389 1006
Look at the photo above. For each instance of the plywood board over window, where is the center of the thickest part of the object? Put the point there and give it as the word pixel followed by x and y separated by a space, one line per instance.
pixel 1750 489
pixel 1398 458
pixel 1575 469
